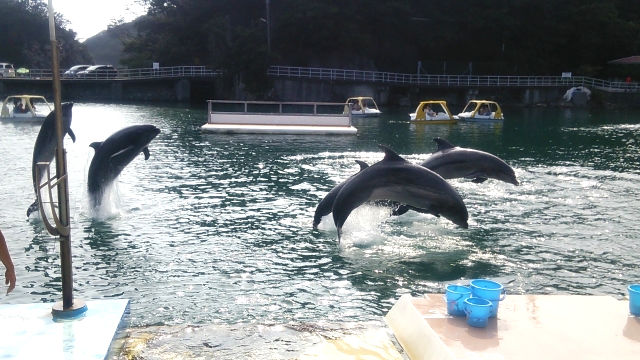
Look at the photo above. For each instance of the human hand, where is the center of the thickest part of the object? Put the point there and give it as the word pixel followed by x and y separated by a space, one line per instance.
pixel 10 279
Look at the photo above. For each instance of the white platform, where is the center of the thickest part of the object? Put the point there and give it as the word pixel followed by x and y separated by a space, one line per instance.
pixel 278 129
pixel 264 117
pixel 29 332
pixel 535 327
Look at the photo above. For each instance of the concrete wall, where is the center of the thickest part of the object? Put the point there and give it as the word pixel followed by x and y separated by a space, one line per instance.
pixel 309 90
pixel 183 89
pixel 178 89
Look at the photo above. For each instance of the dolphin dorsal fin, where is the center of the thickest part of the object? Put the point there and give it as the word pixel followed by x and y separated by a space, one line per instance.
pixel 442 144
pixel 95 145
pixel 390 155
pixel 363 165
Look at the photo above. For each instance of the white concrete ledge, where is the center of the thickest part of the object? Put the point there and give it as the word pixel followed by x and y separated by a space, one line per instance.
pixel 532 327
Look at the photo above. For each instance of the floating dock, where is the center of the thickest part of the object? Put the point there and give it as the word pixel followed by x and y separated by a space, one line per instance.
pixel 536 327
pixel 263 117
pixel 29 331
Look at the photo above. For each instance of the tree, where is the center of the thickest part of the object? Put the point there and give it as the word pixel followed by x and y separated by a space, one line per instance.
pixel 25 30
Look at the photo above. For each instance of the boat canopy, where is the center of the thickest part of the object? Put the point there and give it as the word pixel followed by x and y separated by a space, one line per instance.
pixel 474 107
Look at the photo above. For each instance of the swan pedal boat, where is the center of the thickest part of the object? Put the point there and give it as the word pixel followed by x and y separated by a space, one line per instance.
pixel 362 106
pixel 476 110
pixel 35 108
pixel 439 114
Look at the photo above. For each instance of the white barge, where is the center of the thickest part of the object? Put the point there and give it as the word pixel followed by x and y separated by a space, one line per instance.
pixel 266 117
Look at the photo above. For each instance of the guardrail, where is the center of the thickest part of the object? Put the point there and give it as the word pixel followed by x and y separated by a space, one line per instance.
pixel 125 74
pixel 450 80
pixel 352 75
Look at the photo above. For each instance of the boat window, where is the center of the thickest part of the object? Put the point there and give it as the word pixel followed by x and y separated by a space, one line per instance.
pixel 470 107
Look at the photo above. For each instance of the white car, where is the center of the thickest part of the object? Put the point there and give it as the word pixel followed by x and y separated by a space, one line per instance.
pixel 7 70
pixel 75 70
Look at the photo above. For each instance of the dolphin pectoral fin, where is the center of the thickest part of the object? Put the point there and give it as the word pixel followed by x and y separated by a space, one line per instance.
pixel 477 177
pixel 427 211
pixel 114 158
pixel 404 208
pixel 399 210
pixel 71 135
pixel 145 151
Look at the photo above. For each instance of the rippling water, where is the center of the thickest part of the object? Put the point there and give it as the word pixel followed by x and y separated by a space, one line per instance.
pixel 215 230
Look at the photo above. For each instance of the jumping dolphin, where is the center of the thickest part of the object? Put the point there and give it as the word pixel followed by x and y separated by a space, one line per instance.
pixel 44 149
pixel 396 179
pixel 114 154
pixel 452 162
pixel 326 204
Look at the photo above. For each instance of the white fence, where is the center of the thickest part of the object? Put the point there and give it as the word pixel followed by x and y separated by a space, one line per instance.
pixel 126 74
pixel 450 80
pixel 354 76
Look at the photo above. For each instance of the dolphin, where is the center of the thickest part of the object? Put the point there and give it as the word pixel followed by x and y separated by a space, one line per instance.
pixel 326 204
pixel 114 154
pixel 396 179
pixel 452 162
pixel 44 149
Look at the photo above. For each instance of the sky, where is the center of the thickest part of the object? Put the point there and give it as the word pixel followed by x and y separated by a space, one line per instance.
pixel 89 17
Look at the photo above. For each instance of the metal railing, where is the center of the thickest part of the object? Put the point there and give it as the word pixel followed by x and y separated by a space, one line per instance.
pixel 450 80
pixel 125 74
pixel 351 75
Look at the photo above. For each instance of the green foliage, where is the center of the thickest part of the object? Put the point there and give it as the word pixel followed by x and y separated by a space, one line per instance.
pixel 508 37
pixel 24 26
pixel 511 37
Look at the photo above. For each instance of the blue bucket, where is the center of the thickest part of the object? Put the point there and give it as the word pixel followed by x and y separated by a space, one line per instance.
pixel 455 297
pixel 494 306
pixel 477 310
pixel 634 299
pixel 488 290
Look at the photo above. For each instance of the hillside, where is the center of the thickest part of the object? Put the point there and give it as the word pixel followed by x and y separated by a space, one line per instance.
pixel 107 46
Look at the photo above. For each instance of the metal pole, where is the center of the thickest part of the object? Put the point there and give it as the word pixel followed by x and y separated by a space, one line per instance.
pixel 268 28
pixel 63 193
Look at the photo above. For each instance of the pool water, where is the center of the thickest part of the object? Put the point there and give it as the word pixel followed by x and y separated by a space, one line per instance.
pixel 212 241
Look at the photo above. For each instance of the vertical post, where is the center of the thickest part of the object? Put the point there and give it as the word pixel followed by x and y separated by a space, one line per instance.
pixel 268 28
pixel 67 305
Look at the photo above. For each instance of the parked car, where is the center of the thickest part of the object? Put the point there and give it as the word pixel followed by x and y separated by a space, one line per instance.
pixel 74 70
pixel 98 72
pixel 7 70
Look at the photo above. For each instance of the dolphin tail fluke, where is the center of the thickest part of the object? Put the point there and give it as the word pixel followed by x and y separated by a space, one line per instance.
pixel 33 208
